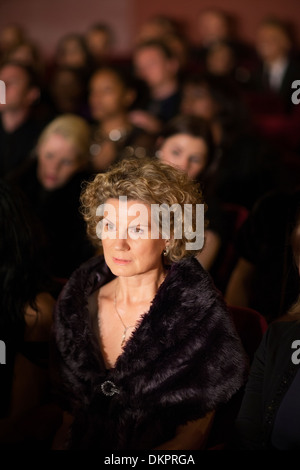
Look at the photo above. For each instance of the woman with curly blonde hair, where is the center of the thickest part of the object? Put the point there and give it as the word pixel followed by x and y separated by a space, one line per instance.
pixel 144 346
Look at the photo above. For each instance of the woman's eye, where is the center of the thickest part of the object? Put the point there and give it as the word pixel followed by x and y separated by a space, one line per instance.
pixel 109 227
pixel 176 152
pixel 67 162
pixel 136 230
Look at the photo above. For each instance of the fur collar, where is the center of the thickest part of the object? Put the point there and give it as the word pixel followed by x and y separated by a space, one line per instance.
pixel 183 360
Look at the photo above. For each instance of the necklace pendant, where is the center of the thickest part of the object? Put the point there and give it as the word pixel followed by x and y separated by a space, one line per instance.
pixel 123 337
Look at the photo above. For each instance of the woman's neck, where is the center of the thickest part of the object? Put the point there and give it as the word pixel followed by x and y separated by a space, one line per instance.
pixel 139 288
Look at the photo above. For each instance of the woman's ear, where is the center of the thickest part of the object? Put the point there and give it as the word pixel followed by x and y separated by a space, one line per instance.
pixel 130 97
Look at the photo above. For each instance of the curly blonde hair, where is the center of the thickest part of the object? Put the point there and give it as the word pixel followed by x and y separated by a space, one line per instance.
pixel 149 181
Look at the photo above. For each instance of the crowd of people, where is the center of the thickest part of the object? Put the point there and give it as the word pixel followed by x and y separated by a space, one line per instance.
pixel 208 123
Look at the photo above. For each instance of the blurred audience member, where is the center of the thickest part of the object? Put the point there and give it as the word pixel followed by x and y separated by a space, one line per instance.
pixel 28 53
pixel 112 94
pixel 25 323
pixel 19 129
pixel 187 143
pixel 99 39
pixel 10 37
pixel 269 415
pixel 215 25
pixel 156 28
pixel 156 65
pixel 72 51
pixel 278 68
pixel 52 183
pixel 246 166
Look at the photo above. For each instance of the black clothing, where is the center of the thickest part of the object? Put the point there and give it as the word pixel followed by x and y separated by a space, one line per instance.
pixel 67 245
pixel 271 376
pixel 16 147
pixel 183 360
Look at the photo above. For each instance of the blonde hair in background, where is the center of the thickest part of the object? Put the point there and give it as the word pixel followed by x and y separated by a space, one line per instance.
pixel 75 129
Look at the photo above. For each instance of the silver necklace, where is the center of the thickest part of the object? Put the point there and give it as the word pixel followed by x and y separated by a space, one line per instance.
pixel 125 327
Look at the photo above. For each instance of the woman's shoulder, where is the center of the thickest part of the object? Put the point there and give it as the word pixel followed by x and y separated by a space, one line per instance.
pixel 39 319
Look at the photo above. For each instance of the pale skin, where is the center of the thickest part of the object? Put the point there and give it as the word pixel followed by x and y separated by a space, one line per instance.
pixel 58 161
pixel 189 154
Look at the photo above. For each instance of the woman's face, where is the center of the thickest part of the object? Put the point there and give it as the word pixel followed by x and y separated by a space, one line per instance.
pixel 57 161
pixel 186 152
pixel 125 254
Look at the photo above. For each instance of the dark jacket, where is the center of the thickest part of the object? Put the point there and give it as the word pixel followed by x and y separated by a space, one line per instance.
pixel 183 360
pixel 272 372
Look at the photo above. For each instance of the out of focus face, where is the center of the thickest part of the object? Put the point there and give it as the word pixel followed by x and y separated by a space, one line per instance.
pixel 212 27
pixel 185 152
pixel 197 101
pixel 57 162
pixel 71 54
pixel 108 96
pixel 125 254
pixel 18 93
pixel 98 43
pixel 272 43
pixel 153 67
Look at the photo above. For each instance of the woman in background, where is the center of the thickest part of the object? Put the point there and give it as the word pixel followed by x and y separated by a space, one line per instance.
pixel 52 182
pixel 187 143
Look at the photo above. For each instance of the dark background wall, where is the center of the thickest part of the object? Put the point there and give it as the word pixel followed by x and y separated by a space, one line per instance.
pixel 47 20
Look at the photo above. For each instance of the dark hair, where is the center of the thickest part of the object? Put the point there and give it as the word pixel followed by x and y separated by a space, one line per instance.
pixel 193 126
pixel 21 274
pixel 159 44
pixel 31 73
pixel 102 28
pixel 277 23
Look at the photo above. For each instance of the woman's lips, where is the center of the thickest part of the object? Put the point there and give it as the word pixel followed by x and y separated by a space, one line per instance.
pixel 121 261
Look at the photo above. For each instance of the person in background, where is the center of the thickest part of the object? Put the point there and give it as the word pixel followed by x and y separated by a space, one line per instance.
pixel 187 143
pixel 143 345
pixel 247 166
pixel 269 415
pixel 26 316
pixel 72 51
pixel 157 66
pixel 68 92
pixel 52 183
pixel 19 129
pixel 111 96
pixel 260 279
pixel 99 39
pixel 156 28
pixel 278 67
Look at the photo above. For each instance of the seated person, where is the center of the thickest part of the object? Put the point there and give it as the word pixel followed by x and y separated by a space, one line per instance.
pixel 157 66
pixel 52 182
pixel 19 130
pixel 144 348
pixel 187 143
pixel 262 271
